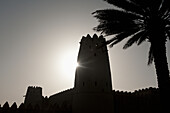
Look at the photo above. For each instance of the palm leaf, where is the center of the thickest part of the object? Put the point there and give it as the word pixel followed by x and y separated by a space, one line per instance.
pixel 165 14
pixel 115 21
pixel 134 39
pixel 121 37
pixel 164 6
pixel 149 6
pixel 115 15
pixel 126 5
pixel 111 28
pixel 148 3
pixel 143 37
pixel 155 6
pixel 150 57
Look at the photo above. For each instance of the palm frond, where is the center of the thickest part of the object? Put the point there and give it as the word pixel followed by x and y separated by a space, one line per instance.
pixel 133 40
pixel 143 37
pixel 115 15
pixel 148 3
pixel 118 38
pixel 126 5
pixel 115 41
pixel 164 7
pixel 114 21
pixel 149 6
pixel 165 14
pixel 106 31
pixel 155 5
pixel 114 28
pixel 150 57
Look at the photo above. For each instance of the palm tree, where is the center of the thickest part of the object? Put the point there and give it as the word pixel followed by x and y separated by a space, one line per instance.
pixel 139 21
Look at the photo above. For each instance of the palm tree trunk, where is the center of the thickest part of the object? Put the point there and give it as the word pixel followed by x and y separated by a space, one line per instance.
pixel 161 65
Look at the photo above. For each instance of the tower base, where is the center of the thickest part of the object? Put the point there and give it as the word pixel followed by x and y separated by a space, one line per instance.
pixel 93 103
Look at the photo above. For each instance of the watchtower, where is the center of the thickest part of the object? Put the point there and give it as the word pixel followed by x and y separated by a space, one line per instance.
pixel 33 96
pixel 93 84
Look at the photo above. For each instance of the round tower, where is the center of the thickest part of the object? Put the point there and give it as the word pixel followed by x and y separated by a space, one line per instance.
pixel 93 84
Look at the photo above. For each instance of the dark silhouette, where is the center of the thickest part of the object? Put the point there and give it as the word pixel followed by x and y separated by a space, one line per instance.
pixel 141 20
pixel 92 92
pixel 139 101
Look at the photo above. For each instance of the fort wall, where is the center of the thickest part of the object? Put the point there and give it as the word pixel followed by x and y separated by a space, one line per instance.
pixel 62 99
pixel 139 101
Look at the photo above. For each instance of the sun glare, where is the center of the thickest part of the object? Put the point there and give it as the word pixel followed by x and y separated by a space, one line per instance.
pixel 77 64
pixel 68 64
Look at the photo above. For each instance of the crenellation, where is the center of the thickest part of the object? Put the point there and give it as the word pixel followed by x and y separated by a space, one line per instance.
pixel 94 37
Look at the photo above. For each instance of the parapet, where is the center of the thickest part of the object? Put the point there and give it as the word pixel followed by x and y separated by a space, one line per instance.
pixel 139 92
pixel 88 39
pixel 35 87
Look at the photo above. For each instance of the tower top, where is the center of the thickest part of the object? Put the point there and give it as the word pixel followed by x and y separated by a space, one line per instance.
pixel 93 39
pixel 91 47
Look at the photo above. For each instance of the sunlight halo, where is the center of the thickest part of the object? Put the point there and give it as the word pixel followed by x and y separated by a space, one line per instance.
pixel 68 64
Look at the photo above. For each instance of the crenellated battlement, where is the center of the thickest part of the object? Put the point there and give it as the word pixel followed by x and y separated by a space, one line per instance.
pixel 88 40
pixel 35 89
pixel 92 46
pixel 139 92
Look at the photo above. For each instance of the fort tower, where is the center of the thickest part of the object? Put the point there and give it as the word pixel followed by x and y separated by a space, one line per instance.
pixel 33 96
pixel 93 84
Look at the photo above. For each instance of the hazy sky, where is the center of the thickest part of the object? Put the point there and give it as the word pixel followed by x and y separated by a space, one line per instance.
pixel 39 41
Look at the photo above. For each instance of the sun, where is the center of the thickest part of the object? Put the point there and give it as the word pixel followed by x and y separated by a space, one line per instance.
pixel 77 64
pixel 68 64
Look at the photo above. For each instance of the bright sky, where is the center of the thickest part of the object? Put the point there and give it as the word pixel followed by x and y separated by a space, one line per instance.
pixel 39 43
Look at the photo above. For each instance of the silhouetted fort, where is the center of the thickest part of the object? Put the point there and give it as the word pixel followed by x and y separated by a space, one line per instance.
pixel 92 92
